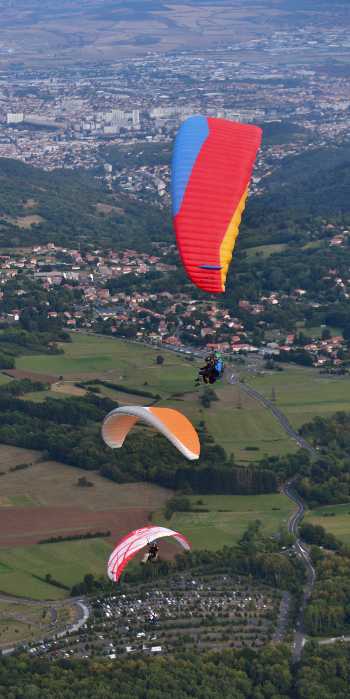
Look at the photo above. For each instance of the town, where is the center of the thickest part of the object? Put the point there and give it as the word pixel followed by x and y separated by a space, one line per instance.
pixel 71 118
pixel 164 318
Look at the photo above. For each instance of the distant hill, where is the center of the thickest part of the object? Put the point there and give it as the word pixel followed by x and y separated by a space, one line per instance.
pixel 313 184
pixel 69 208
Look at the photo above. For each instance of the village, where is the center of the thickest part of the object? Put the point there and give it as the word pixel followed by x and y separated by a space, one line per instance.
pixel 166 317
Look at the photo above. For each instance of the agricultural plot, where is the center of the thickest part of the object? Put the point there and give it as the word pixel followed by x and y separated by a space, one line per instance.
pixel 43 501
pixel 220 520
pixel 302 393
pixel 116 361
pixel 23 570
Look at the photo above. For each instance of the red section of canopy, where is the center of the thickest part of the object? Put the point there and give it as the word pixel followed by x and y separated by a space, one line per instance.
pixel 217 183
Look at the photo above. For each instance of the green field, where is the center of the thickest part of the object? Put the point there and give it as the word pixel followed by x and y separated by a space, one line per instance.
pixel 228 517
pixel 67 562
pixel 235 421
pixel 26 622
pixel 302 393
pixel 236 428
pixel 126 363
pixel 262 251
pixel 339 524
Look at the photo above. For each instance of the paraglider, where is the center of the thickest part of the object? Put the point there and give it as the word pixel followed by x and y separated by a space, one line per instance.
pixel 134 542
pixel 171 423
pixel 211 169
pixel 212 370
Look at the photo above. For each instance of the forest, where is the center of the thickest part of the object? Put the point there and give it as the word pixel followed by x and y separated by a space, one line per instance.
pixel 328 612
pixel 323 673
pixel 67 204
pixel 323 480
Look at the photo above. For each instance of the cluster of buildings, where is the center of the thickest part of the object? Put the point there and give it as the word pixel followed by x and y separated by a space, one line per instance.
pixel 69 118
pixel 153 622
pixel 168 318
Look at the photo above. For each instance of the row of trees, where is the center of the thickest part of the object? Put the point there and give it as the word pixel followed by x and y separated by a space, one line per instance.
pixel 69 431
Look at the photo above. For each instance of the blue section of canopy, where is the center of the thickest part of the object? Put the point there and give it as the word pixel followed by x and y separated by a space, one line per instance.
pixel 190 138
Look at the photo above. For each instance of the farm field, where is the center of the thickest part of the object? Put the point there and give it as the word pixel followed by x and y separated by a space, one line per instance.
pixel 235 421
pixel 334 518
pixel 130 364
pixel 44 500
pixel 66 562
pixel 302 393
pixel 227 518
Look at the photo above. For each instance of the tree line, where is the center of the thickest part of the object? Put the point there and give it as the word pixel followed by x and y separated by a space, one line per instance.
pixel 323 673
pixel 69 431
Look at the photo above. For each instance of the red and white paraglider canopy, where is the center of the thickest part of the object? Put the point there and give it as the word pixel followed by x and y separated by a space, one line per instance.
pixel 133 542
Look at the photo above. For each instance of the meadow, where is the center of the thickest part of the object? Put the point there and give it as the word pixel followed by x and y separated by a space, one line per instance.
pixel 302 392
pixel 225 518
pixel 117 361
pixel 334 518
pixel 235 420
pixel 238 423
pixel 66 562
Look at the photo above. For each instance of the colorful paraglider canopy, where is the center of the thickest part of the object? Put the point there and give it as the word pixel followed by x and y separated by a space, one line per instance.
pixel 133 542
pixel 171 423
pixel 212 166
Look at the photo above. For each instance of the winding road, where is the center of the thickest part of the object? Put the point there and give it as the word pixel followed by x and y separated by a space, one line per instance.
pixel 296 517
pixel 302 552
pixel 82 608
pixel 280 417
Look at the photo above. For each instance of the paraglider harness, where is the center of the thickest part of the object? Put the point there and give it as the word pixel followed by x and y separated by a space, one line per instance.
pixel 213 369
pixel 153 550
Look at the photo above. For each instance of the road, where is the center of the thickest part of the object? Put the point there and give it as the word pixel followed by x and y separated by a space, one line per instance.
pixel 303 554
pixel 280 417
pixel 295 519
pixel 83 613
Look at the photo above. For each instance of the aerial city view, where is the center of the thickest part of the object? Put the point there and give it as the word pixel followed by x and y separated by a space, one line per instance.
pixel 175 349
